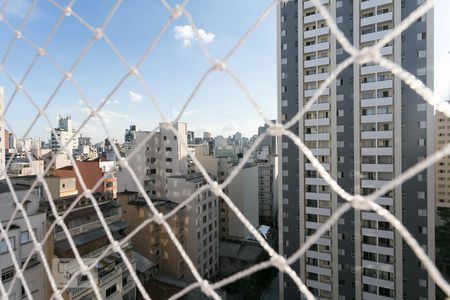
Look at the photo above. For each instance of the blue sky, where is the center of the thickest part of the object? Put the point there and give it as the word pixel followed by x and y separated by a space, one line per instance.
pixel 171 71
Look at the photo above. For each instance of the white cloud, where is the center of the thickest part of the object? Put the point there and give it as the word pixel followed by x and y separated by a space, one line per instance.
pixel 107 115
pixel 18 9
pixel 135 97
pixel 115 101
pixel 187 35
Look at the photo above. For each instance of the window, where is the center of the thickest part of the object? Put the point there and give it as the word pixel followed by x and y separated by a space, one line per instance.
pixel 168 159
pixel 111 290
pixel 25 236
pixel 421 107
pixel 4 246
pixel 7 274
pixel 421 71
pixel 168 149
pixel 421 53
pixel 421 36
pixel 168 170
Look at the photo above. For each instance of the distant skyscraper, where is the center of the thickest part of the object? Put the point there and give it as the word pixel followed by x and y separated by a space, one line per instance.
pixel 190 137
pixel 367 128
pixel 64 134
pixel 130 134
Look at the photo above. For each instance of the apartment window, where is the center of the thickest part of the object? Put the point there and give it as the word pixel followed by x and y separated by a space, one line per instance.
pixel 168 159
pixel 421 72
pixel 339 19
pixel 340 97
pixel 338 4
pixel 4 246
pixel 422 142
pixel 284 47
pixel 111 290
pixel 421 36
pixel 168 170
pixel 340 144
pixel 421 107
pixel 284 61
pixel 421 53
pixel 25 236
pixel 340 113
pixel 422 124
pixel 422 212
pixel 168 149
pixel 283 32
pixel 7 274
pixel 284 103
pixel 340 128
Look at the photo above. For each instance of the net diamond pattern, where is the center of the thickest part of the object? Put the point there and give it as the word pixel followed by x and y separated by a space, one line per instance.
pixel 371 54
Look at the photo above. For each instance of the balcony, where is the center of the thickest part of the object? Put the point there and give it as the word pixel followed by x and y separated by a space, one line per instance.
pixel 373 36
pixel 378 249
pixel 376 102
pixel 374 3
pixel 370 135
pixel 312 18
pixel 377 19
pixel 318 255
pixel 324 61
pixel 317 122
pixel 320 151
pixel 318 270
pixel 373 69
pixel 310 167
pixel 377 118
pixel 318 211
pixel 378 282
pixel 320 106
pixel 86 227
pixel 377 168
pixel 316 77
pixel 387 234
pixel 318 285
pixel 375 184
pixel 317 137
pixel 316 32
pixel 317 196
pixel 315 181
pixel 309 4
pixel 378 266
pixel 377 151
pixel 377 85
pixel 316 47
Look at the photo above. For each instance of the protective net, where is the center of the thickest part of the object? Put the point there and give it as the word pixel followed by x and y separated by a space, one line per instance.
pixel 358 202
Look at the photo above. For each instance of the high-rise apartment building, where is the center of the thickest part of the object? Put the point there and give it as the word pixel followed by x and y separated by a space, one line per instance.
pixel 366 128
pixel 161 156
pixel 64 135
pixel 443 166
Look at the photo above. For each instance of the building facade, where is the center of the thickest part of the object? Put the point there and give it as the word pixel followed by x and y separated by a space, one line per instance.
pixel 162 155
pixel 366 128
pixel 20 238
pixel 64 134
pixel 202 228
pixel 443 166
pixel 2 135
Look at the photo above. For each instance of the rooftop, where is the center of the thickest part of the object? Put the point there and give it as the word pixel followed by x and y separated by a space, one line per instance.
pixel 240 251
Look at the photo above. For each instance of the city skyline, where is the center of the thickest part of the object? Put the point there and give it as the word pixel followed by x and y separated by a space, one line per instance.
pixel 177 54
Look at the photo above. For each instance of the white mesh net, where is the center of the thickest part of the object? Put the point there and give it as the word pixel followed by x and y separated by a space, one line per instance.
pixel 358 202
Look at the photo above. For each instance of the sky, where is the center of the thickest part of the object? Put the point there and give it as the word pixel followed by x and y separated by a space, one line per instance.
pixel 171 71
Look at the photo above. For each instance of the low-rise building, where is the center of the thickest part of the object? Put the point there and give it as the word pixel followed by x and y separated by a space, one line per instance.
pixel 111 275
pixel 21 239
pixel 153 241
pixel 202 228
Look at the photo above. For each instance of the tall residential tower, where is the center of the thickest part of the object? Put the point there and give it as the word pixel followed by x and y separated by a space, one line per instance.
pixel 367 128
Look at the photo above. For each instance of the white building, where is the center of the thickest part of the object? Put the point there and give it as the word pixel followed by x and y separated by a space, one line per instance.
pixel 243 191
pixel 21 241
pixel 24 167
pixel 162 155
pixel 64 133
pixel 202 236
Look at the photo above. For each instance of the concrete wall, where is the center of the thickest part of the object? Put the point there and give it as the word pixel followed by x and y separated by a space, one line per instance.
pixel 243 191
